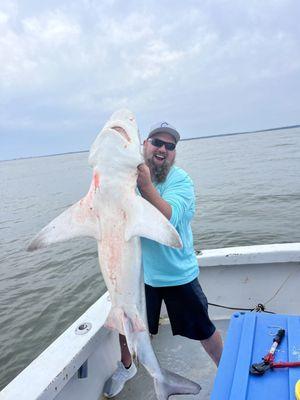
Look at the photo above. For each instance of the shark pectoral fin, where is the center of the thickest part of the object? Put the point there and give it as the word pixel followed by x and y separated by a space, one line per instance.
pixel 147 221
pixel 78 220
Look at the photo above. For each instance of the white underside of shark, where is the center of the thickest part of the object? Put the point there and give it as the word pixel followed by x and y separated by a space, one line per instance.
pixel 114 215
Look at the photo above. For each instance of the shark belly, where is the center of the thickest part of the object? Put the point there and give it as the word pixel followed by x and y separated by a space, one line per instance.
pixel 121 266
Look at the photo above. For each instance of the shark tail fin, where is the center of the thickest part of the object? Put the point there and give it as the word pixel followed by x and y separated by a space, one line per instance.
pixel 166 383
pixel 172 384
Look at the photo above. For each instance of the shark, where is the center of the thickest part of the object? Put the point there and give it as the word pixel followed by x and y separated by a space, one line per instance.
pixel 116 216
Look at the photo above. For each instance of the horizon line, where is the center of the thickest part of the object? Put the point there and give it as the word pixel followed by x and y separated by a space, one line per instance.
pixel 181 140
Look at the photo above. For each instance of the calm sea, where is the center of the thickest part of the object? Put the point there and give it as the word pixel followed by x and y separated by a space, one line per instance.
pixel 248 192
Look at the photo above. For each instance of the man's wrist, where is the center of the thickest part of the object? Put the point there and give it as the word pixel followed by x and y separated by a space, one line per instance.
pixel 146 190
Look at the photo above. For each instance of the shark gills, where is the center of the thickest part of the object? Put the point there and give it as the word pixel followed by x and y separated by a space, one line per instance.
pixel 114 215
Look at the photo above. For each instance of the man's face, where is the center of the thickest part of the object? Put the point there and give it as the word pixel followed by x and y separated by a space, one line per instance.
pixel 159 159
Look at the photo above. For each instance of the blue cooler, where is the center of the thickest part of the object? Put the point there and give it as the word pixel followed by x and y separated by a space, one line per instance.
pixel 249 338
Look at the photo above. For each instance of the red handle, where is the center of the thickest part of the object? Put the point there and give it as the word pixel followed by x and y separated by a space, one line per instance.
pixel 286 364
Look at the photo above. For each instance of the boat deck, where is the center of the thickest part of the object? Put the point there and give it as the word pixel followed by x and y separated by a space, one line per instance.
pixel 183 356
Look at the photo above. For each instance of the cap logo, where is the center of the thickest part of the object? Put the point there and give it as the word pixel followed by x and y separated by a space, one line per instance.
pixel 164 124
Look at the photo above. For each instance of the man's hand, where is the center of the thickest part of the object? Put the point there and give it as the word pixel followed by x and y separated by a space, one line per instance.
pixel 149 192
pixel 144 181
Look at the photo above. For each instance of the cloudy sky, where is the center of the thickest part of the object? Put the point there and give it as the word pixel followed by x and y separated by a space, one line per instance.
pixel 206 66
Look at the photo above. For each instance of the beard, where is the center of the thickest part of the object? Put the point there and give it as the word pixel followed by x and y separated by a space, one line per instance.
pixel 158 172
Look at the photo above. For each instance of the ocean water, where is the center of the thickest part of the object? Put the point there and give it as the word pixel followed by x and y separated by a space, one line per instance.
pixel 247 191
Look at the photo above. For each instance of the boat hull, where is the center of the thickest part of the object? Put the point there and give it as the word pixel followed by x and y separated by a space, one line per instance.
pixel 240 278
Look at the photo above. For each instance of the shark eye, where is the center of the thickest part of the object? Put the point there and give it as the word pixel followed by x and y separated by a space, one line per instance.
pixel 122 132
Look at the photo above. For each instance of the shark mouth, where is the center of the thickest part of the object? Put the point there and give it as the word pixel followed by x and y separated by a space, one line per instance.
pixel 122 132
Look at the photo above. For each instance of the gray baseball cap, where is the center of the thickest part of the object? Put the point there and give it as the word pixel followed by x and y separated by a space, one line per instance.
pixel 164 127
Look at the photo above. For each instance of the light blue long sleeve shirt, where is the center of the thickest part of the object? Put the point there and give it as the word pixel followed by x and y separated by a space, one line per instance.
pixel 163 265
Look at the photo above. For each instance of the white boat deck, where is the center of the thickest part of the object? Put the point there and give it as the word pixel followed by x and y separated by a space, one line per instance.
pixel 240 277
pixel 183 356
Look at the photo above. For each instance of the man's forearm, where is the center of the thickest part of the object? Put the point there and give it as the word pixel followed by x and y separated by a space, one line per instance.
pixel 151 194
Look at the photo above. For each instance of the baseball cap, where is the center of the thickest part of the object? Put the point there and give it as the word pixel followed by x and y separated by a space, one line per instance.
pixel 164 127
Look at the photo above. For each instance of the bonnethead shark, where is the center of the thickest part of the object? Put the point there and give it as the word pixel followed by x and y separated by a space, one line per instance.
pixel 115 215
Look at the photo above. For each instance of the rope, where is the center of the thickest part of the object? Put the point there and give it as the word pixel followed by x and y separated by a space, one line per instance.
pixel 258 308
pixel 280 287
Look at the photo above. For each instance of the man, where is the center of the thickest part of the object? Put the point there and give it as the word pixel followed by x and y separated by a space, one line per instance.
pixel 170 274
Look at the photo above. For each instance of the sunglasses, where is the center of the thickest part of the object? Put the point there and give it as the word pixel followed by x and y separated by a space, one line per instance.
pixel 159 143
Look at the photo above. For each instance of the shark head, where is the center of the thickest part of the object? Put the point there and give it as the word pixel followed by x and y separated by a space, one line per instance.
pixel 119 140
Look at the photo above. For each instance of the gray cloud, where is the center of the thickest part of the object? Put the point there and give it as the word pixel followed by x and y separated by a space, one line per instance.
pixel 208 67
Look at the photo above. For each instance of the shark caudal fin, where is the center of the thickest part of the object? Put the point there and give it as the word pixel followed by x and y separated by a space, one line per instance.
pixel 172 384
pixel 147 221
pixel 78 220
pixel 166 383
